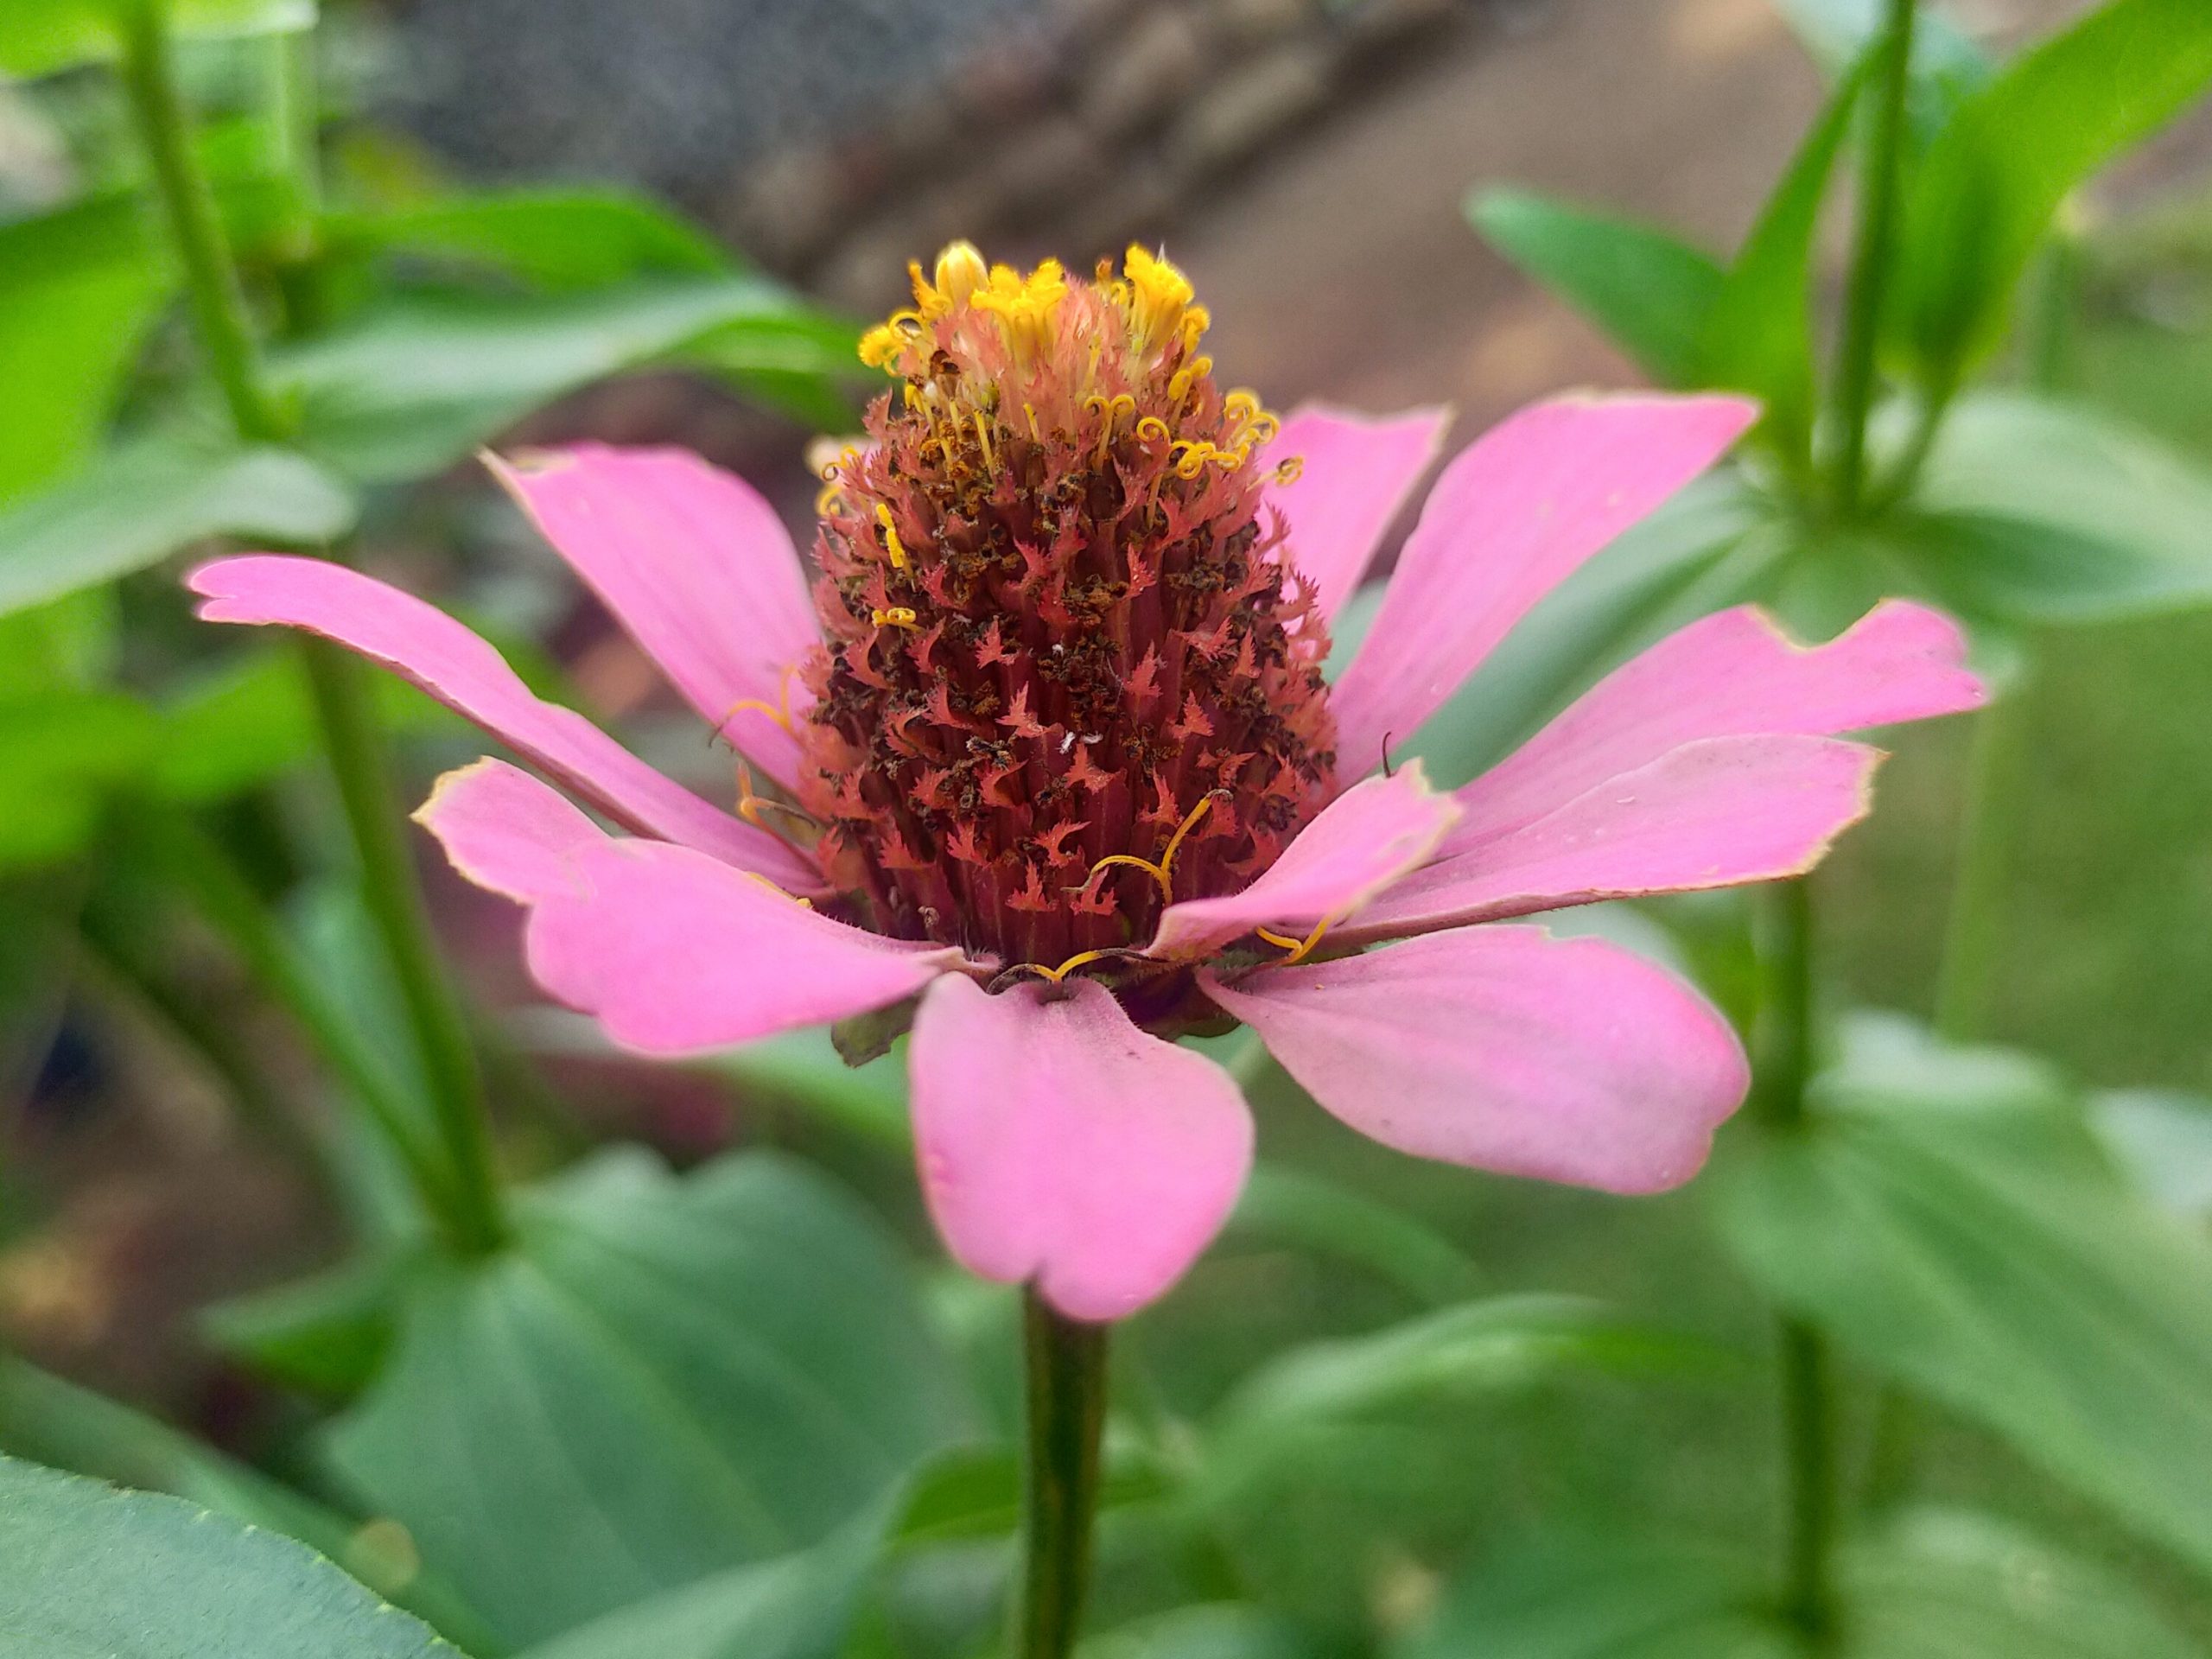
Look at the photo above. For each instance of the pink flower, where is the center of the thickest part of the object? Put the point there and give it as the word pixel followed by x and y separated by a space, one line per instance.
pixel 1053 762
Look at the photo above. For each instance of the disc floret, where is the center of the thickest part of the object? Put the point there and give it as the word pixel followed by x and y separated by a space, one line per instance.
pixel 1070 674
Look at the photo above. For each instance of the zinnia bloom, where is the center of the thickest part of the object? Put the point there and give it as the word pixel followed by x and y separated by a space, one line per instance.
pixel 1044 761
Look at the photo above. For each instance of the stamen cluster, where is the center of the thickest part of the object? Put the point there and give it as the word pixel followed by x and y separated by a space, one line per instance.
pixel 1069 670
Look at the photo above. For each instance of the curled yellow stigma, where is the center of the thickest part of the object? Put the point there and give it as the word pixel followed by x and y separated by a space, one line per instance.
pixel 1298 949
pixel 1163 872
pixel 779 711
pixel 1055 974
pixel 898 616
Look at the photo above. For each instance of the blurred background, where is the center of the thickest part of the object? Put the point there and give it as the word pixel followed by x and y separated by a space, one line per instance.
pixel 1307 161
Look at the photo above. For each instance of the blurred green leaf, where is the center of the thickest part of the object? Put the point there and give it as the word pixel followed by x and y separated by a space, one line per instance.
pixel 250 718
pixel 804 1068
pixel 94 1573
pixel 1649 292
pixel 660 1379
pixel 2035 510
pixel 137 505
pixel 795 1606
pixel 1210 1630
pixel 1933 1585
pixel 1947 65
pixel 1609 1599
pixel 37 37
pixel 1307 1212
pixel 551 240
pixel 1948 1218
pixel 79 287
pixel 60 755
pixel 327 1334
pixel 2163 1138
pixel 416 385
pixel 68 643
pixel 1757 333
pixel 1992 178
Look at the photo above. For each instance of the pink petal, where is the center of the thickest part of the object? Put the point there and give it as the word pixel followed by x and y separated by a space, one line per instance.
pixel 1358 845
pixel 1356 472
pixel 675 953
pixel 424 644
pixel 695 564
pixel 507 832
pixel 1503 1048
pixel 1735 674
pixel 1511 518
pixel 1713 813
pixel 1060 1143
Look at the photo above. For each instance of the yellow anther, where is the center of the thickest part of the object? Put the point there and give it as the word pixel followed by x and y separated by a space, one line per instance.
pixel 960 271
pixel 892 544
pixel 1196 320
pixel 984 441
pixel 1159 296
pixel 1030 409
pixel 1298 949
pixel 898 616
pixel 1163 871
pixel 1180 382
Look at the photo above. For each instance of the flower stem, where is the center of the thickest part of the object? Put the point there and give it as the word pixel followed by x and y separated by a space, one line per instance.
pixel 1809 1434
pixel 218 309
pixel 1870 267
pixel 395 904
pixel 349 733
pixel 1065 1361
pixel 1784 1046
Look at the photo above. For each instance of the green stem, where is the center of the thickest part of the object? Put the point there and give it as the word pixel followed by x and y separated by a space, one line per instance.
pixel 395 904
pixel 1808 1435
pixel 349 732
pixel 1065 1361
pixel 1862 320
pixel 1784 1043
pixel 1974 936
pixel 219 309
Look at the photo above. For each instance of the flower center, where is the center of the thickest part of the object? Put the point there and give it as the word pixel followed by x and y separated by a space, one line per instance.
pixel 1070 673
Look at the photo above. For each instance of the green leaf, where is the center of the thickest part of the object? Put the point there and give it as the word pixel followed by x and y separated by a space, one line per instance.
pixel 1994 176
pixel 797 1606
pixel 38 37
pixel 94 1573
pixel 2163 1138
pixel 327 1334
pixel 1649 292
pixel 1947 65
pixel 1757 333
pixel 661 1379
pixel 1307 1211
pixel 60 755
pixel 1210 1630
pixel 1946 1217
pixel 555 240
pixel 416 385
pixel 68 644
pixel 52 1421
pixel 79 287
pixel 137 505
pixel 1932 1585
pixel 1587 1599
pixel 2035 510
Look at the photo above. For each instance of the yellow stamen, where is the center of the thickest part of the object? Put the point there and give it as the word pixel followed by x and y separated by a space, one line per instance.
pixel 1288 469
pixel 750 806
pixel 779 711
pixel 899 616
pixel 1159 296
pixel 1298 949
pixel 1163 872
pixel 892 544
pixel 1055 974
